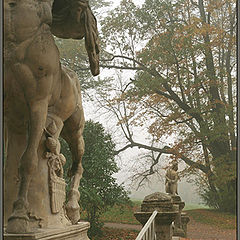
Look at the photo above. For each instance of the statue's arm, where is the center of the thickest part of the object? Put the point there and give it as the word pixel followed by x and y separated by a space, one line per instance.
pixel 167 179
pixel 68 18
pixel 74 19
pixel 175 178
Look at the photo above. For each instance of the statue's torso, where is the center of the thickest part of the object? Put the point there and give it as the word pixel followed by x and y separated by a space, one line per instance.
pixel 23 21
pixel 29 41
pixel 23 18
pixel 171 174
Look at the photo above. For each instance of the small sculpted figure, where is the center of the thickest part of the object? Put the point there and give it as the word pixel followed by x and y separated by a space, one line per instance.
pixel 40 95
pixel 171 179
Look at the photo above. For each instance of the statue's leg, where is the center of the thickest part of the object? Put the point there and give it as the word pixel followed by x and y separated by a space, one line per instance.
pixel 167 188
pixel 36 95
pixel 15 144
pixel 54 125
pixel 72 133
pixel 174 188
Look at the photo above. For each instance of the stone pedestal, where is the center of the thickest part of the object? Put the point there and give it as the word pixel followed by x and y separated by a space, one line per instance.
pixel 40 213
pixel 71 232
pixel 46 216
pixel 167 212
pixel 185 220
pixel 178 228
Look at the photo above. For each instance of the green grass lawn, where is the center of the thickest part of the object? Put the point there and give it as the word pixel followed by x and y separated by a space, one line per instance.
pixel 122 214
pixel 119 214
pixel 200 213
pixel 195 206
pixel 213 217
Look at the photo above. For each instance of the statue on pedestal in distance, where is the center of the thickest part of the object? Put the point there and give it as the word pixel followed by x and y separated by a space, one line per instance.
pixel 172 179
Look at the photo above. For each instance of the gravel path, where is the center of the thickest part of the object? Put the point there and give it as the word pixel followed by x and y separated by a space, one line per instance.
pixel 196 231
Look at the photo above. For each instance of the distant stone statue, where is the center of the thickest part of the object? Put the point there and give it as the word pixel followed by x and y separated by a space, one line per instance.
pixel 42 99
pixel 172 179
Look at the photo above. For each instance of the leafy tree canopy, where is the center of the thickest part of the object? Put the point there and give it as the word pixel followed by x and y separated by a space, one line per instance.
pixel 183 53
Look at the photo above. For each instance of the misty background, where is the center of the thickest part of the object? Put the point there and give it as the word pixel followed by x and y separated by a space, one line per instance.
pixel 128 161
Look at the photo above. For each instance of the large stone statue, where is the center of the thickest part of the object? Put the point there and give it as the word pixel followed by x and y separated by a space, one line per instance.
pixel 42 99
pixel 172 179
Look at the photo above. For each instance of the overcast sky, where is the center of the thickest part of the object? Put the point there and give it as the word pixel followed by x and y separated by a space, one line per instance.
pixel 137 2
pixel 129 157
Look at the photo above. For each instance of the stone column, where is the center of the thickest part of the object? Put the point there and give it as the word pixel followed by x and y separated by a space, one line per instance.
pixel 178 229
pixel 185 220
pixel 167 213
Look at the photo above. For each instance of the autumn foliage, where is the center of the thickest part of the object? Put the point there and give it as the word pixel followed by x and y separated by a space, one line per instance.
pixel 183 55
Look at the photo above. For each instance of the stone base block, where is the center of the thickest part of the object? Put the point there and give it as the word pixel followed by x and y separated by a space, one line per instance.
pixel 178 232
pixel 72 232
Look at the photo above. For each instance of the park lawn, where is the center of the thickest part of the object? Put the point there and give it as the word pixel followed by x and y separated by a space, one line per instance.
pixel 195 206
pixel 122 214
pixel 213 217
pixel 200 213
pixel 119 214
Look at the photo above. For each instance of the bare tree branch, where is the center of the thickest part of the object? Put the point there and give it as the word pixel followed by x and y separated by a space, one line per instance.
pixel 184 121
pixel 165 150
pixel 119 67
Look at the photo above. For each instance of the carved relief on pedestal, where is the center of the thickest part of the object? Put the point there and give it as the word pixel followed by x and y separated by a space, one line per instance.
pixel 57 183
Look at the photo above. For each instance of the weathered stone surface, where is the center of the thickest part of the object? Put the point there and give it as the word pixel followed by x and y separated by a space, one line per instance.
pixel 185 220
pixel 167 213
pixel 172 179
pixel 71 232
pixel 42 100
pixel 176 198
pixel 157 196
pixel 161 202
pixel 180 228
pixel 164 218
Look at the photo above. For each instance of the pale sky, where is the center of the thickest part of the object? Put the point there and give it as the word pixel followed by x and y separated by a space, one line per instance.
pixel 130 156
pixel 137 2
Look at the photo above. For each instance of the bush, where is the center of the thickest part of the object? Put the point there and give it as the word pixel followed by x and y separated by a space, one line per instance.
pixel 98 188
